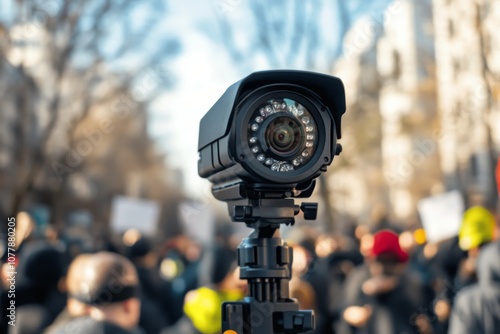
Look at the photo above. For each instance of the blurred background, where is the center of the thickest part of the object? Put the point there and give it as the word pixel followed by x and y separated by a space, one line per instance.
pixel 100 103
pixel 101 99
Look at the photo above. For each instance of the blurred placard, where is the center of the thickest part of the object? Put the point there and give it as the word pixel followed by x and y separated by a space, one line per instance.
pixel 133 213
pixel 198 221
pixel 441 215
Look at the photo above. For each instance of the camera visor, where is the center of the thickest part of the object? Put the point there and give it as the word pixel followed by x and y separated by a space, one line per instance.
pixel 282 134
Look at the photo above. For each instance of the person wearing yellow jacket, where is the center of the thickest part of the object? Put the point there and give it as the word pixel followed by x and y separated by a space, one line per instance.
pixel 202 306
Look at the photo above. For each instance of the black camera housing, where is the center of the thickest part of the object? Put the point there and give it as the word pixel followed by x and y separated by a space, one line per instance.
pixel 225 156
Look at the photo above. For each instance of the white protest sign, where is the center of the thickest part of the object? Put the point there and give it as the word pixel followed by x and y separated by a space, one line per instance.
pixel 133 213
pixel 198 221
pixel 441 215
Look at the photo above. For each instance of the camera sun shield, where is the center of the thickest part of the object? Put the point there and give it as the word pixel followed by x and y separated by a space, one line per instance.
pixel 273 129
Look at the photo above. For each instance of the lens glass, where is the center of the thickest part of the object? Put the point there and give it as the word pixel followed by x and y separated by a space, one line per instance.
pixel 285 137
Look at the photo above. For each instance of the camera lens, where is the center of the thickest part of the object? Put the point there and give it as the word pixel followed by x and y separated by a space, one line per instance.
pixel 282 134
pixel 285 136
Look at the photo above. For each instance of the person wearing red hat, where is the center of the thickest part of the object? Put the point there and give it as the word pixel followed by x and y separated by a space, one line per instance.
pixel 381 297
pixel 386 244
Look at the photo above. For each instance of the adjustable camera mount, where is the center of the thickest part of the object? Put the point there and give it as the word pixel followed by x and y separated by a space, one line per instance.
pixel 265 261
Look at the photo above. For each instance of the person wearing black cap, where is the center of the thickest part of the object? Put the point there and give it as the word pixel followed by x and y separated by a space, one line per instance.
pixel 74 307
pixel 154 316
pixel 109 287
pixel 37 298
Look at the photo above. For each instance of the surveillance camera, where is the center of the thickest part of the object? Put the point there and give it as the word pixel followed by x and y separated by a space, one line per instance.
pixel 273 131
pixel 263 143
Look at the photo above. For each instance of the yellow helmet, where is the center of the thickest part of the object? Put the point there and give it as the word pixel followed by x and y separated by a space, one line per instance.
pixel 203 307
pixel 477 228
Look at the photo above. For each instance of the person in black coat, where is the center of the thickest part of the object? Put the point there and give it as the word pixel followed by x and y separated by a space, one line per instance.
pixel 38 299
pixel 74 307
pixel 477 307
pixel 154 316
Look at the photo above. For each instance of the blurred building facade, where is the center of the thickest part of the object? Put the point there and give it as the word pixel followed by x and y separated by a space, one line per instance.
pixel 437 106
pixel 468 72
pixel 356 181
pixel 408 105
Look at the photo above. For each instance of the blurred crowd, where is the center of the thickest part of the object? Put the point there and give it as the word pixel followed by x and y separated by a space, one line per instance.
pixel 374 279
